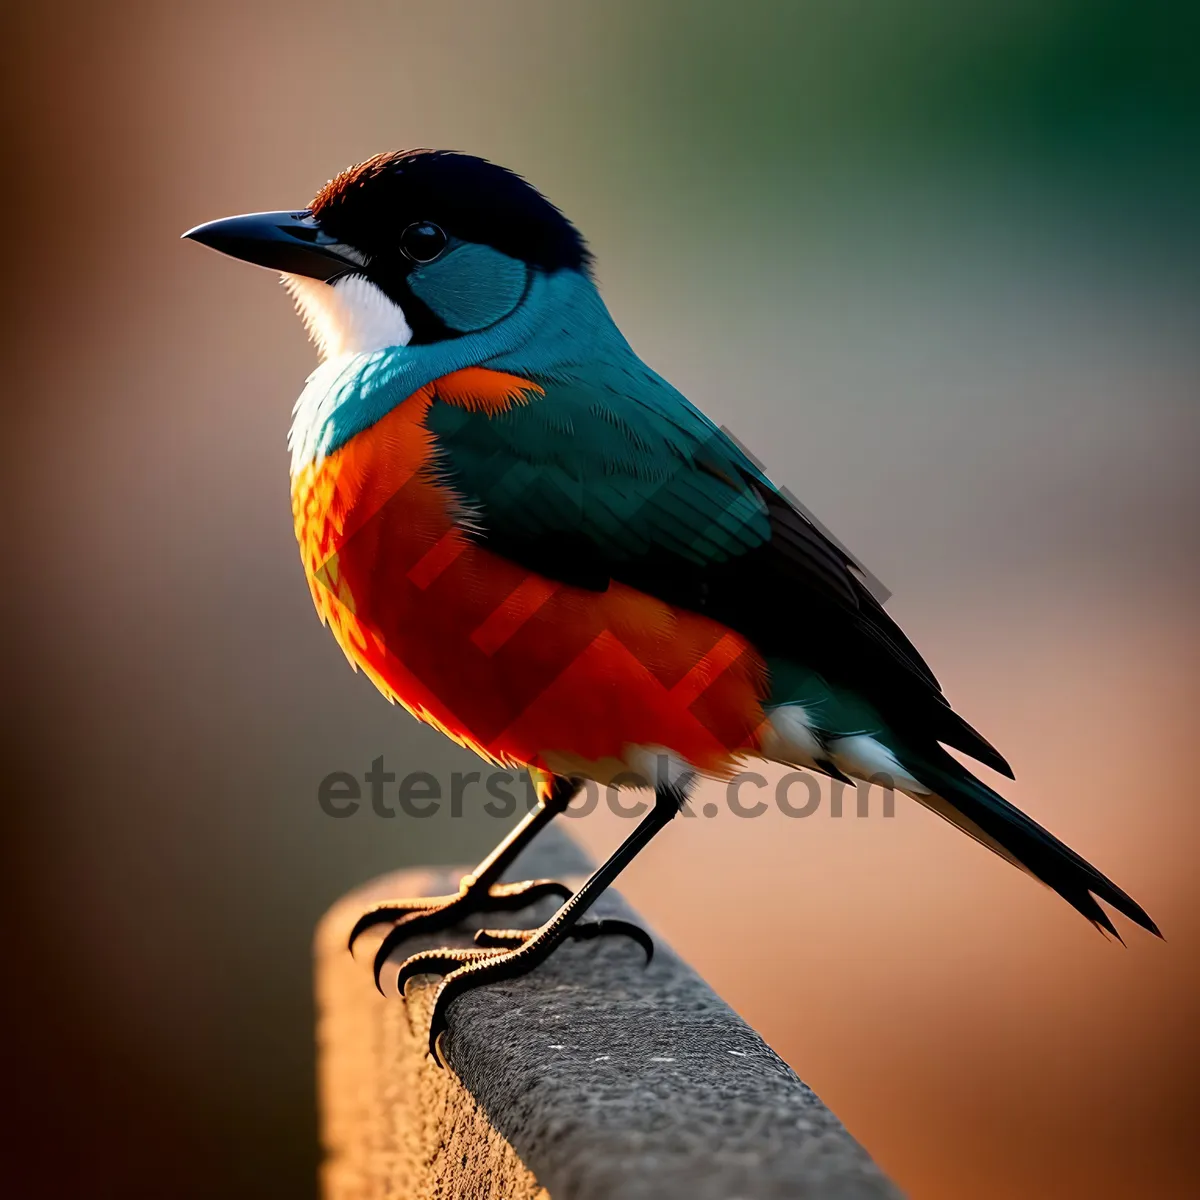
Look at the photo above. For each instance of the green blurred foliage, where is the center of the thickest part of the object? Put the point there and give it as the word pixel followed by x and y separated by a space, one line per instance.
pixel 1104 85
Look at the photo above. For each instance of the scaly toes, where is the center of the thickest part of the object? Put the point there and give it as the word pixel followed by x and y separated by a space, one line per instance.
pixel 421 915
pixel 508 897
pixel 445 961
pixel 414 917
pixel 506 939
pixel 582 931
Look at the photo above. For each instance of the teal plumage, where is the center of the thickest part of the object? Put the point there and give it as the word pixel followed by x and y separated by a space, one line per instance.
pixel 593 462
pixel 470 287
pixel 346 396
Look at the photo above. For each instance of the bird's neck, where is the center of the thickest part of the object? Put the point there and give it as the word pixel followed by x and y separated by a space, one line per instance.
pixel 561 324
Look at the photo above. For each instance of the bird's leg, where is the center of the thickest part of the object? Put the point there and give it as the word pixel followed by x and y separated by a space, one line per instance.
pixel 477 892
pixel 469 968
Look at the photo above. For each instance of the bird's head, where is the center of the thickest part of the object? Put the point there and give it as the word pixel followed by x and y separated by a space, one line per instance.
pixel 416 247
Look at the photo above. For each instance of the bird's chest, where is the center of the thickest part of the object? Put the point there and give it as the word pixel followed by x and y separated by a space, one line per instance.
pixel 373 523
pixel 520 667
pixel 411 599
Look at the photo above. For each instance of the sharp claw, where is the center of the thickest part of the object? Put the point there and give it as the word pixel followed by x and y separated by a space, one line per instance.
pixel 437 1049
pixel 402 910
pixel 376 916
pixel 394 938
pixel 614 926
pixel 437 1032
pixel 377 971
pixel 421 921
pixel 449 991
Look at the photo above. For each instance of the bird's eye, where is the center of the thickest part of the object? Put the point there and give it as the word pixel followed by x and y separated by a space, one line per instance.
pixel 422 241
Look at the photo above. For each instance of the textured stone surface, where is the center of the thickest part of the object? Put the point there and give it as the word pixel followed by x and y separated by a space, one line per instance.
pixel 591 1079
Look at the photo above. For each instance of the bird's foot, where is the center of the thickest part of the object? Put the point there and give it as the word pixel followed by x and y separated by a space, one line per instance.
pixel 431 914
pixel 501 954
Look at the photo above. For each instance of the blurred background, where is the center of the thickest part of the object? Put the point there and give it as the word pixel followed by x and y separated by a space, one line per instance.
pixel 937 264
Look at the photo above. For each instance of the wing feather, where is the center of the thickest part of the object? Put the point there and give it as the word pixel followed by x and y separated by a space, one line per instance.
pixel 610 473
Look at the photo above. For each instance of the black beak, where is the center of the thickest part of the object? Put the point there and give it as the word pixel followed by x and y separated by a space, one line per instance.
pixel 292 242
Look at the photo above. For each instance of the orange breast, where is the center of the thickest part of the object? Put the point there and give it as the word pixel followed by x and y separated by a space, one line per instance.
pixel 523 669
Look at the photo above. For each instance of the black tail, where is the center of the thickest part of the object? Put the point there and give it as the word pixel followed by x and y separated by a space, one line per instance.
pixel 984 814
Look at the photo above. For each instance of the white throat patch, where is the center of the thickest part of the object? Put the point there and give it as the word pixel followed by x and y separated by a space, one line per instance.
pixel 350 316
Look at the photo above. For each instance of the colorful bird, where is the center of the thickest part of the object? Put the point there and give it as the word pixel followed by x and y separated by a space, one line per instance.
pixel 533 542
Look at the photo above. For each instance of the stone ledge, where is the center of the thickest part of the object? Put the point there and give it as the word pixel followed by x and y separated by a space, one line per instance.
pixel 593 1078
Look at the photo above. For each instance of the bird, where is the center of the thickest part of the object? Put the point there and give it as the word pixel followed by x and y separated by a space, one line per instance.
pixel 531 541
